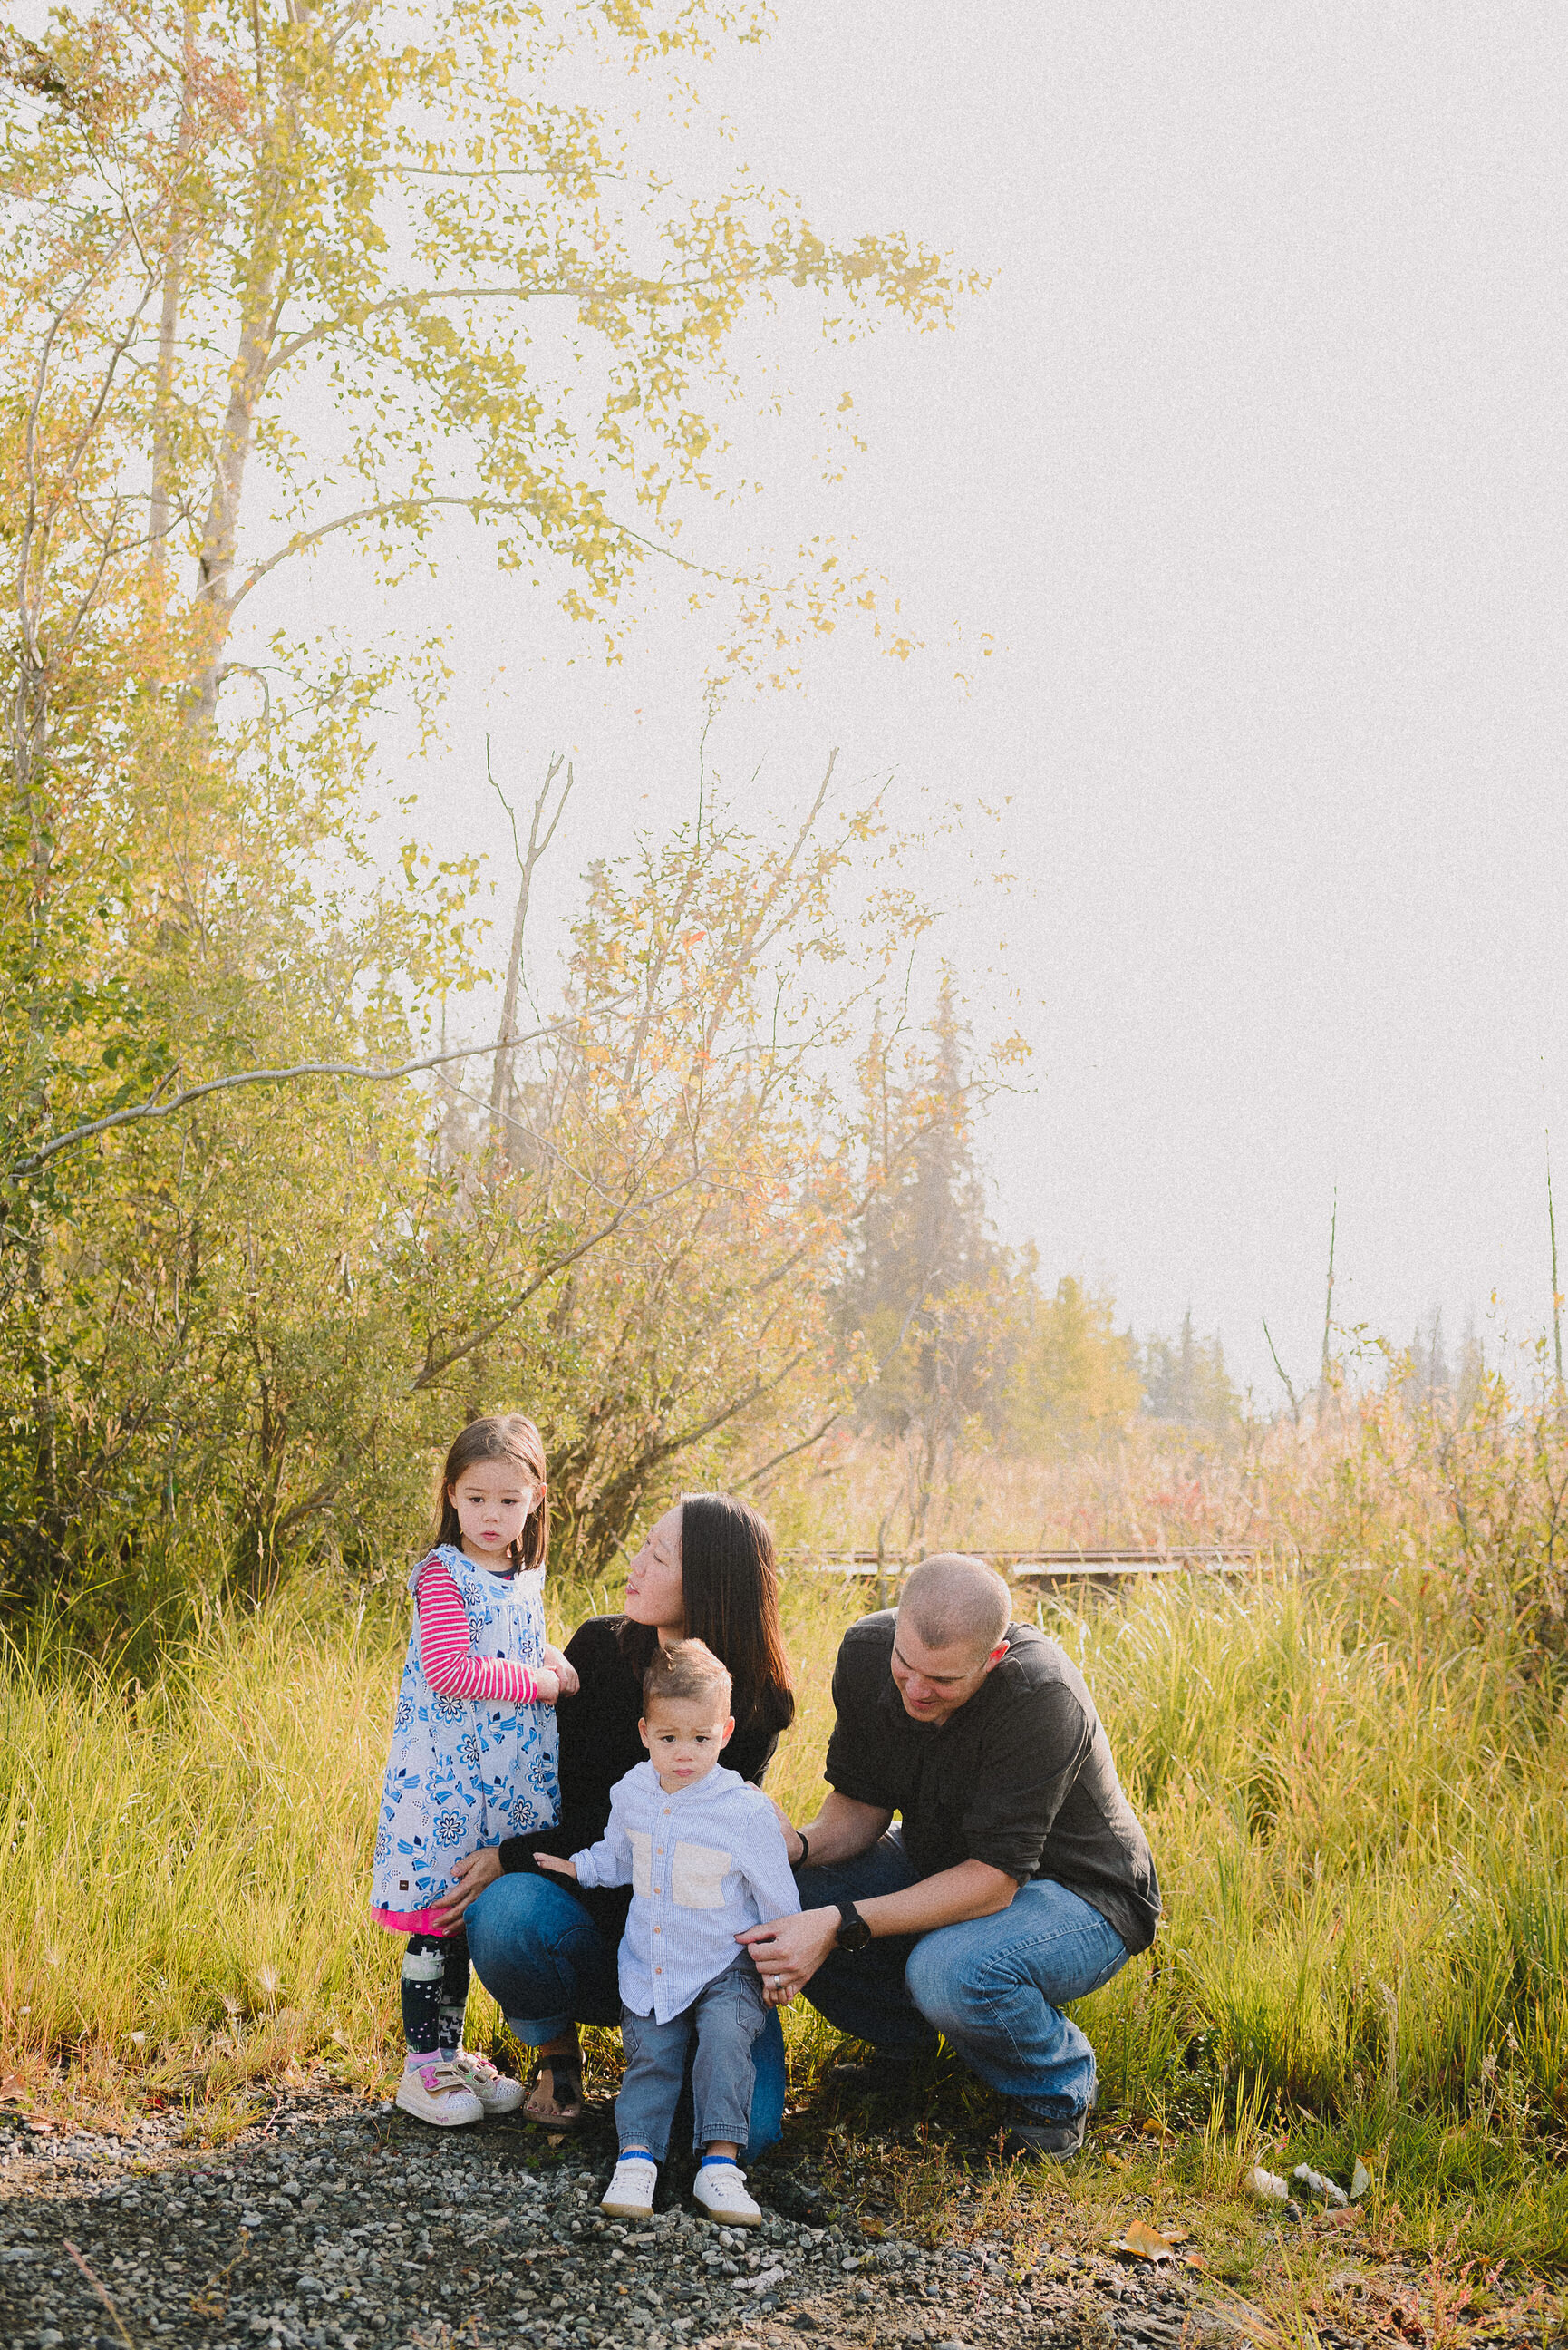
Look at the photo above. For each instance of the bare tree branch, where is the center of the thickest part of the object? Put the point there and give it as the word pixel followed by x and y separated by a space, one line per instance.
pixel 752 1476
pixel 651 289
pixel 516 172
pixel 153 1108
pixel 536 848
pixel 514 1306
pixel 475 506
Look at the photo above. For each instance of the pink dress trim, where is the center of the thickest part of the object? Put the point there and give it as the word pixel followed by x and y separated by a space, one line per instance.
pixel 411 1922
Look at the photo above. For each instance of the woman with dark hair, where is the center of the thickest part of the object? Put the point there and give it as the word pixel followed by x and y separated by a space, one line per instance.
pixel 546 1950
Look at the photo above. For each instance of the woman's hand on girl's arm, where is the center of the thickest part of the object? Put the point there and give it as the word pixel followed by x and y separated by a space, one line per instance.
pixel 546 1684
pixel 560 1868
pixel 564 1671
pixel 470 1879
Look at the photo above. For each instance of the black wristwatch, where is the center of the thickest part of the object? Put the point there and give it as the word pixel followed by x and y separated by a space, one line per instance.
pixel 854 1933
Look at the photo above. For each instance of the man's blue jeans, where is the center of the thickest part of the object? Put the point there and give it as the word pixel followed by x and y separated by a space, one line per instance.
pixel 993 1987
pixel 546 1965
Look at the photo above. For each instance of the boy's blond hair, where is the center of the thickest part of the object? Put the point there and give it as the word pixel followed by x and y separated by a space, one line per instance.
pixel 685 1669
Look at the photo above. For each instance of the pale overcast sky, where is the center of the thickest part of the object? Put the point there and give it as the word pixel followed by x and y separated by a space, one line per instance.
pixel 1251 460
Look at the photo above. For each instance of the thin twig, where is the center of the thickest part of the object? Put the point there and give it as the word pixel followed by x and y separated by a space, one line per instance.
pixel 1295 1406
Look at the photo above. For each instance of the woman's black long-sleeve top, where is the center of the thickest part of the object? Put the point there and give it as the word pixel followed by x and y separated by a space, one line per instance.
pixel 599 1744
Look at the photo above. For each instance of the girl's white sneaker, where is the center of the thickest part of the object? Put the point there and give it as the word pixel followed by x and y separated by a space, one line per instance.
pixel 629 2195
pixel 720 2189
pixel 497 2093
pixel 437 2092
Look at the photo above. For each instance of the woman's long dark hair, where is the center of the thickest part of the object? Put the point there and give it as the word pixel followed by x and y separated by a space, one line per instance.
pixel 508 1437
pixel 730 1590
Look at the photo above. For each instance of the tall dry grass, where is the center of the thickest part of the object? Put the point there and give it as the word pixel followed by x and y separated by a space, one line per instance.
pixel 187 1871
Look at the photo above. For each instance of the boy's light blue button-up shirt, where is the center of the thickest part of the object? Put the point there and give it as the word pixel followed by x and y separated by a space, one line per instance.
pixel 704 1865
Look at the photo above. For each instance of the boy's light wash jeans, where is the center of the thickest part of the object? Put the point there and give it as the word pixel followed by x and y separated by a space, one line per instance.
pixel 727 2014
pixel 993 1987
pixel 546 1965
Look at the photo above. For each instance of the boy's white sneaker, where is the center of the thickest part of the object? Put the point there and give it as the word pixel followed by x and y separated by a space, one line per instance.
pixel 434 2090
pixel 496 2091
pixel 720 2189
pixel 629 2195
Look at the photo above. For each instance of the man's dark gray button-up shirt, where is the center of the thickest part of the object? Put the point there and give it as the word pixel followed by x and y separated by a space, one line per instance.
pixel 1021 1776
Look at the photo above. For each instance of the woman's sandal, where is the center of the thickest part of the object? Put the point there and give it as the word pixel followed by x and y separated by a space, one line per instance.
pixel 561 2106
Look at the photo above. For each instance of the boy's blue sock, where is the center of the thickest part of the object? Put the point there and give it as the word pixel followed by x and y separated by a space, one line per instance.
pixel 638 2154
pixel 708 2159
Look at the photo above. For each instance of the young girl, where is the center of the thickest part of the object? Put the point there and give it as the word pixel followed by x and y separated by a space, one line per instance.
pixel 473 1744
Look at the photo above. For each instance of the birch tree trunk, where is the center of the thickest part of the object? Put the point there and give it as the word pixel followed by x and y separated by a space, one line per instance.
pixel 220 535
pixel 160 503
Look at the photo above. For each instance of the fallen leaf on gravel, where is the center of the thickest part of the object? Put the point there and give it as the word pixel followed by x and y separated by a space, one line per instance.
pixel 1341 2219
pixel 13 2087
pixel 1145 2243
pixel 1156 2130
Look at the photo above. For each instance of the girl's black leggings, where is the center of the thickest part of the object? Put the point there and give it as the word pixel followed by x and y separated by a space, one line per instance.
pixel 435 1993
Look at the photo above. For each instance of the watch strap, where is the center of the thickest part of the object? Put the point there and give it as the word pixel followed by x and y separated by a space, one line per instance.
pixel 854 1933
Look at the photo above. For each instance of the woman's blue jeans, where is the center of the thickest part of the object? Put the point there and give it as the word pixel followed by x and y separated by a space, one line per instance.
pixel 546 1965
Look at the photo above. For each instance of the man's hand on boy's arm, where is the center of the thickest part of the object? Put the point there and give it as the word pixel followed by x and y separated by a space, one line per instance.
pixel 787 1950
pixel 558 1867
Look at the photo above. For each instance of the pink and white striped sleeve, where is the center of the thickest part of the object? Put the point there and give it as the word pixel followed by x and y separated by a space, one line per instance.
pixel 449 1668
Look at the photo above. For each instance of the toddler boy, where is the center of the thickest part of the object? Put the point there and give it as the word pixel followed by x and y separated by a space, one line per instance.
pixel 705 1857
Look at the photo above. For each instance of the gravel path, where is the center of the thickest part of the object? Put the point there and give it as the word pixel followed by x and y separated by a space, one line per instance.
pixel 329 2226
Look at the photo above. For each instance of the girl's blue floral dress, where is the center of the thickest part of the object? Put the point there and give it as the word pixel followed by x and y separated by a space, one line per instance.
pixel 465 1771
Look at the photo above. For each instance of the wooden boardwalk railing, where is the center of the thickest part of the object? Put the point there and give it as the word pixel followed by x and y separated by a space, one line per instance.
pixel 1039 1566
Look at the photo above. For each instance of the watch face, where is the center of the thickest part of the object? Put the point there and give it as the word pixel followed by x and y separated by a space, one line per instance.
pixel 854 1934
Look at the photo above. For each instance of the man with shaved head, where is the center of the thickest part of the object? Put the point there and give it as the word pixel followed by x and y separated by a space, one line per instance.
pixel 1017 1879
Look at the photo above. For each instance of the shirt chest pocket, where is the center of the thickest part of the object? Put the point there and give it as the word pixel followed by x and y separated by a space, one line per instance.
pixel 697 1878
pixel 641 1863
